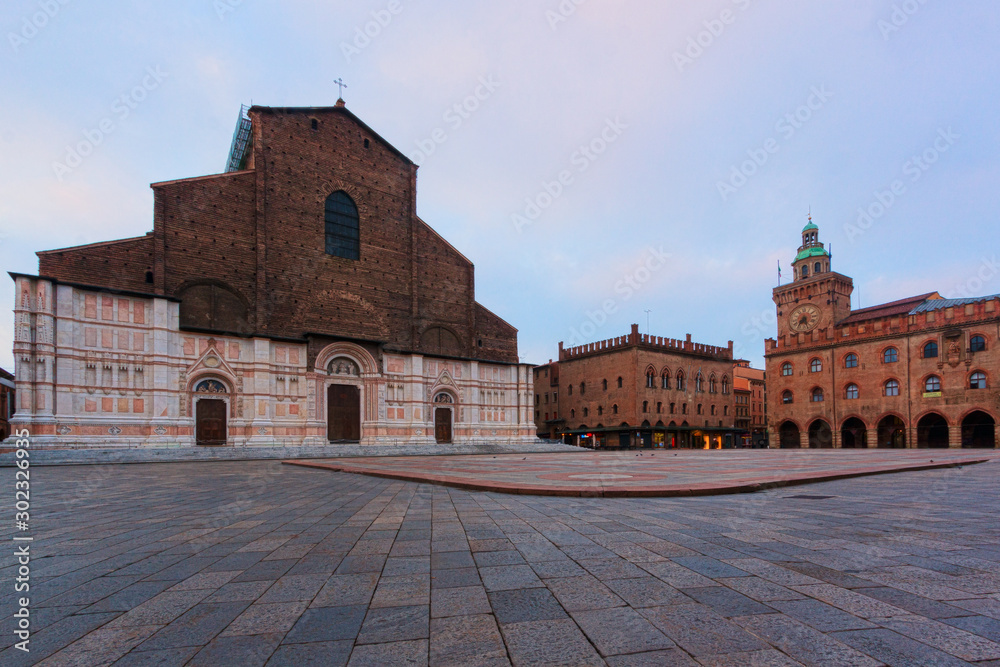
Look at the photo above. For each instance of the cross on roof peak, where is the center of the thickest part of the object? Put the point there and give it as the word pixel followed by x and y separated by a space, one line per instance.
pixel 340 83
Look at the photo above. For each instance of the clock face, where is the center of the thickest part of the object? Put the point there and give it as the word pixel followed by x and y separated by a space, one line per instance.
pixel 804 318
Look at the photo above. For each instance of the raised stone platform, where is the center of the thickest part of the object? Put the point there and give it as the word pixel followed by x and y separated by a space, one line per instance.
pixel 650 474
pixel 178 454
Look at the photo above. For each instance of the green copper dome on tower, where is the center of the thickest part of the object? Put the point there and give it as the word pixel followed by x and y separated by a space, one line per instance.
pixel 810 226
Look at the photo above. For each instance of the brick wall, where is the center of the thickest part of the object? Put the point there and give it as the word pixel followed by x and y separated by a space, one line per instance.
pixel 114 264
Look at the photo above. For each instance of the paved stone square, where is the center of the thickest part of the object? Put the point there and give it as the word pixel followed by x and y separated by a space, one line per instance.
pixel 648 473
pixel 254 563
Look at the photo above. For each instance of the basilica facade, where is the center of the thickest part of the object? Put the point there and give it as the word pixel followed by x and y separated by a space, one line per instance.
pixel 295 299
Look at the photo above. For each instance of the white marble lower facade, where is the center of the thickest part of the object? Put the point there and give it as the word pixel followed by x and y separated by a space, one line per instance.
pixel 100 369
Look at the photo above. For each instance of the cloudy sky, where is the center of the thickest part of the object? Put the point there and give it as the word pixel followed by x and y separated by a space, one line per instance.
pixel 595 158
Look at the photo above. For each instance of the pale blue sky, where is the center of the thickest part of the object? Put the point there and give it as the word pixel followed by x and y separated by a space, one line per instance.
pixel 676 120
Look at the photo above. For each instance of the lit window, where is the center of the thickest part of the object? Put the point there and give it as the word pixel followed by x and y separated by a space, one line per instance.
pixel 932 384
pixel 891 388
pixel 852 392
pixel 977 380
pixel 930 350
pixel 851 361
pixel 786 368
pixel 977 344
pixel 890 356
pixel 815 366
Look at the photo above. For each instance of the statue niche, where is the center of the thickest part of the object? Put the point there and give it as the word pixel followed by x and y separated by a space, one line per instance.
pixel 343 366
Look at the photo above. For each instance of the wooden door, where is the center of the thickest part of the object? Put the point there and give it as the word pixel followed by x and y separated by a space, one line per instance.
pixel 343 413
pixel 442 425
pixel 210 422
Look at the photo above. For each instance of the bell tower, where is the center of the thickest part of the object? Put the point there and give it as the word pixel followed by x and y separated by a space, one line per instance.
pixel 817 298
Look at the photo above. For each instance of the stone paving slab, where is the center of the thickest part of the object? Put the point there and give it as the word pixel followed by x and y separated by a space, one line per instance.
pixel 256 563
pixel 660 473
pixel 161 454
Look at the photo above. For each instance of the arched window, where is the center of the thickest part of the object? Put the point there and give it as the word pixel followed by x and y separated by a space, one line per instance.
pixel 700 408
pixel 817 268
pixel 817 395
pixel 932 384
pixel 852 392
pixel 619 383
pixel 583 387
pixel 698 382
pixel 815 365
pixel 851 361
pixel 684 408
pixel 680 381
pixel 725 411
pixel 572 414
pixel 977 344
pixel 600 410
pixel 672 407
pixel 805 270
pixel 786 368
pixel 604 383
pixel 891 388
pixel 725 384
pixel 614 409
pixel 650 378
pixel 712 409
pixel 343 233
pixel 930 350
pixel 890 355
pixel 586 412
pixel 711 385
pixel 665 379
pixel 977 380
pixel 659 408
pixel 786 397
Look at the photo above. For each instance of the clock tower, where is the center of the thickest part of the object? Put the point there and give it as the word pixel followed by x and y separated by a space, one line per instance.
pixel 817 298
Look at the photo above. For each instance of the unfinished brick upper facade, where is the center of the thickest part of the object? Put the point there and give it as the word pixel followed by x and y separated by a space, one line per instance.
pixel 918 372
pixel 242 261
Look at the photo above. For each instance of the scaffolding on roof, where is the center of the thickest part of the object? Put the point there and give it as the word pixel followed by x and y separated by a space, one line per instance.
pixel 240 147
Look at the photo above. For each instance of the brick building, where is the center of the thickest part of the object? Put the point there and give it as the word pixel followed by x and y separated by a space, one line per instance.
pixel 638 391
pixel 918 372
pixel 6 402
pixel 296 298
pixel 751 405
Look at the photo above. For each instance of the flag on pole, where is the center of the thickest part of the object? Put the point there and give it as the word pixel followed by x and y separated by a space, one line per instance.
pixel 779 271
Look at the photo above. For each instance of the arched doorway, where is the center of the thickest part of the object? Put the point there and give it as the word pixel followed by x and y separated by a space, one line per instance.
pixel 443 418
pixel 820 435
pixel 891 433
pixel 343 413
pixel 979 430
pixel 789 436
pixel 932 431
pixel 853 434
pixel 210 413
